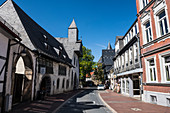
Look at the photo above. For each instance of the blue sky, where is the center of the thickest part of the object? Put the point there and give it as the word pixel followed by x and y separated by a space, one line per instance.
pixel 98 21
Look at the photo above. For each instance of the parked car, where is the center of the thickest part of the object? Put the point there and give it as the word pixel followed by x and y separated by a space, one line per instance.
pixel 101 86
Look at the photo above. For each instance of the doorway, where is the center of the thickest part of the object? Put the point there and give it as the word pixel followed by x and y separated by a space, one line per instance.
pixel 46 85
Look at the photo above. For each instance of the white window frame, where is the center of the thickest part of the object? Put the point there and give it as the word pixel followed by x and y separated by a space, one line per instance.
pixel 124 41
pixel 137 28
pixel 127 38
pixel 162 66
pixel 144 20
pixel 145 2
pixel 141 5
pixel 148 78
pixel 148 29
pixel 157 10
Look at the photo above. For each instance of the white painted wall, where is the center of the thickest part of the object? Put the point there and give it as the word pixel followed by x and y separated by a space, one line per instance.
pixel 161 97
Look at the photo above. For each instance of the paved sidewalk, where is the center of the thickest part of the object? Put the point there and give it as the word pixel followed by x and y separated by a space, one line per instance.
pixel 123 104
pixel 48 105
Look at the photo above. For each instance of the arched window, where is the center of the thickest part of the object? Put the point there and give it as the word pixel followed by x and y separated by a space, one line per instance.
pixel 58 83
pixel 72 78
pixel 67 84
pixel 63 83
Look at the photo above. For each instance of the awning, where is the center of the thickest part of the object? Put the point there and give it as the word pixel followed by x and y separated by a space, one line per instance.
pixel 131 72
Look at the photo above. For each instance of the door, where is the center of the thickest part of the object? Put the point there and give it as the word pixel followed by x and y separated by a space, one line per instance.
pixel 17 88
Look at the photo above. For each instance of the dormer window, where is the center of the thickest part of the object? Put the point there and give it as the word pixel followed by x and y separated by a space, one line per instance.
pixel 46 46
pixel 56 50
pixel 60 47
pixel 64 56
pixel 45 37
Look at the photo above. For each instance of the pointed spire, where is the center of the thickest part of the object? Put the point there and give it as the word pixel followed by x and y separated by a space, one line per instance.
pixel 73 24
pixel 109 46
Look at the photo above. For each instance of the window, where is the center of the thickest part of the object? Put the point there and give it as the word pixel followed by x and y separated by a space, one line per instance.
pixel 132 33
pixel 63 83
pixel 167 67
pixel 151 70
pixel 67 86
pixel 46 64
pixel 127 86
pixel 145 2
pixel 58 83
pixel 153 99
pixel 119 63
pixel 124 41
pixel 62 70
pixel 126 58
pixel 130 55
pixel 122 61
pixel 127 39
pixel 148 34
pixel 136 29
pixel 123 86
pixel 136 53
pixel 130 36
pixel 162 23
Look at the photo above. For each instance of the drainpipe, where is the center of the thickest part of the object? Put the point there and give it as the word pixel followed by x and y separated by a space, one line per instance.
pixel 140 65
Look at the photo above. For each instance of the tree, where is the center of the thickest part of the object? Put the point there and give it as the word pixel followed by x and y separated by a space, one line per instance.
pixel 98 72
pixel 86 63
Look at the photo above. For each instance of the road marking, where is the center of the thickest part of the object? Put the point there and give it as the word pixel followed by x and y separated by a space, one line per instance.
pixel 136 109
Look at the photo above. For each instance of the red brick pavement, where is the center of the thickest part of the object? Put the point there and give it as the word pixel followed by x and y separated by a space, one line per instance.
pixel 123 104
pixel 48 105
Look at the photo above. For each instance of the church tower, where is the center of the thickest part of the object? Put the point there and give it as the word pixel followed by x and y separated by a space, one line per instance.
pixel 109 46
pixel 73 32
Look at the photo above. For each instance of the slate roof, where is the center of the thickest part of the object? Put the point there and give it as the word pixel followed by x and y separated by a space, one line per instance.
pixel 32 34
pixel 73 25
pixel 71 47
pixel 9 29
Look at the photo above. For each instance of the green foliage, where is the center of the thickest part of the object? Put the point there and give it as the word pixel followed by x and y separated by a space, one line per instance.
pixel 98 72
pixel 86 63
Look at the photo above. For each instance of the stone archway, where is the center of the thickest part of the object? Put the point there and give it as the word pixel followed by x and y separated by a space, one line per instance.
pixel 46 85
pixel 22 79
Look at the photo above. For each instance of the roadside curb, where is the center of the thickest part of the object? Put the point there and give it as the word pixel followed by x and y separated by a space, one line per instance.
pixel 66 102
pixel 111 109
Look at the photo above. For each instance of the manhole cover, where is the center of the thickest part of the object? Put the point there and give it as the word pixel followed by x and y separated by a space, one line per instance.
pixel 136 109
